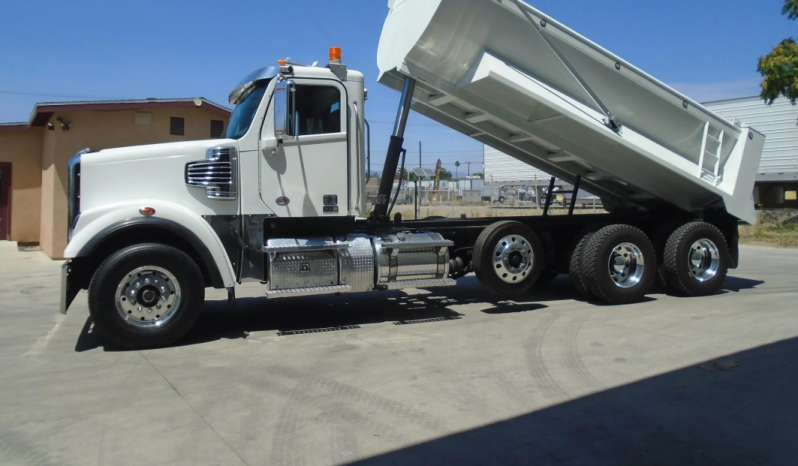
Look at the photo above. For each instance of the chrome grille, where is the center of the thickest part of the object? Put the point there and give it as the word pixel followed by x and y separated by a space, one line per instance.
pixel 217 173
pixel 209 173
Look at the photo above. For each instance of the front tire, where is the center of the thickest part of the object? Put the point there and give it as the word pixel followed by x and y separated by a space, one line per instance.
pixel 619 264
pixel 696 260
pixel 508 258
pixel 144 296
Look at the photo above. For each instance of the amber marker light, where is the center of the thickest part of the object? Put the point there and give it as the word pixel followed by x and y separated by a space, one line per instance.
pixel 335 54
pixel 147 211
pixel 281 62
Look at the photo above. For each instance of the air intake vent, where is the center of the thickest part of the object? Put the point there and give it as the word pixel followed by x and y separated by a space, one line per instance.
pixel 217 173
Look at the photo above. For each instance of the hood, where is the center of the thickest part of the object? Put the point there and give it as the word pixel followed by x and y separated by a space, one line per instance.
pixel 155 151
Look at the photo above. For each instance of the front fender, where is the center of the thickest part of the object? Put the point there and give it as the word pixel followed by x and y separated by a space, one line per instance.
pixel 96 224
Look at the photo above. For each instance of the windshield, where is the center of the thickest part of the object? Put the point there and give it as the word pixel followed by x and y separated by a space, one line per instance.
pixel 245 112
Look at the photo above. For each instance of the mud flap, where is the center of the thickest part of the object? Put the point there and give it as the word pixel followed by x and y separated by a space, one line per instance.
pixel 68 290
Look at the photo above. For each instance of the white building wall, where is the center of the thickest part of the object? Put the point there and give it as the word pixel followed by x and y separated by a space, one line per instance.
pixel 501 168
pixel 779 122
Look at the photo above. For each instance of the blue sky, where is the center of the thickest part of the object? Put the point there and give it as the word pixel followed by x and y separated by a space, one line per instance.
pixel 85 50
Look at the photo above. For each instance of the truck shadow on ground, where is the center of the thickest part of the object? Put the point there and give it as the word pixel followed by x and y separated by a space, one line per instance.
pixel 320 314
pixel 733 410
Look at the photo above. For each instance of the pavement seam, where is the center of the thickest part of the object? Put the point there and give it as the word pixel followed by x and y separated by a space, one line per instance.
pixel 192 408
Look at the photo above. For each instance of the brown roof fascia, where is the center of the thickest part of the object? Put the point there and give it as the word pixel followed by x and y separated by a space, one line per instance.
pixel 13 127
pixel 45 111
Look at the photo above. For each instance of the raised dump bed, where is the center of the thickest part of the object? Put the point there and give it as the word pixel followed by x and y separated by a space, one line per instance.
pixel 511 77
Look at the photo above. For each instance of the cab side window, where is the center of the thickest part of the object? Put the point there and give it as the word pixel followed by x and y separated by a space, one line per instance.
pixel 317 110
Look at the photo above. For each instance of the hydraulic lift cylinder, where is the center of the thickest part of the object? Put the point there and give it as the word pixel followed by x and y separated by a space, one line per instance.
pixel 394 150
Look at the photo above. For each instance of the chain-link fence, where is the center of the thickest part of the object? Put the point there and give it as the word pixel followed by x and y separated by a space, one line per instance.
pixel 776 195
pixel 481 203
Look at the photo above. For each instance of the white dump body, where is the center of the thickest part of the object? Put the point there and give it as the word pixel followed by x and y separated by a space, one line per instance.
pixel 507 75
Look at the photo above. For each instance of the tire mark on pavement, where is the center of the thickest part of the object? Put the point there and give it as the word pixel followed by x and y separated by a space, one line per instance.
pixel 536 364
pixel 15 450
pixel 574 363
pixel 317 392
pixel 490 392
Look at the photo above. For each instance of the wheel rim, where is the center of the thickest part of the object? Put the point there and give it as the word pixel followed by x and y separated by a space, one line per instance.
pixel 148 297
pixel 626 265
pixel 704 260
pixel 512 259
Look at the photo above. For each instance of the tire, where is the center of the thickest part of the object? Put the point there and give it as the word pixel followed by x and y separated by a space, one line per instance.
pixel 660 239
pixel 696 260
pixel 575 269
pixel 618 264
pixel 508 258
pixel 176 286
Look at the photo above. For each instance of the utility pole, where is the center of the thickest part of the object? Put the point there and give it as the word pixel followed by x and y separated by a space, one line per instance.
pixel 469 166
pixel 419 155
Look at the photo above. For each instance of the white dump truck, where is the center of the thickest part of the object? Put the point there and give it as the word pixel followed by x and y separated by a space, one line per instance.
pixel 281 200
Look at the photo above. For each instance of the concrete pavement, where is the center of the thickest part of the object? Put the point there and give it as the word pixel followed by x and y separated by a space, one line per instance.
pixel 452 376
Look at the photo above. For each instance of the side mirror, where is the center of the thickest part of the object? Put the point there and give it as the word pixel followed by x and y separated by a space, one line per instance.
pixel 284 110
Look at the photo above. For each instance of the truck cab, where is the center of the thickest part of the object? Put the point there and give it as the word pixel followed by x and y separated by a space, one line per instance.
pixel 300 135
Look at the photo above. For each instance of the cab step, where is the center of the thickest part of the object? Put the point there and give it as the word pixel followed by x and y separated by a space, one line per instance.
pixel 314 291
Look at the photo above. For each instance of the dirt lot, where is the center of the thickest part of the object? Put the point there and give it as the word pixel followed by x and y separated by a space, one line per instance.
pixel 775 228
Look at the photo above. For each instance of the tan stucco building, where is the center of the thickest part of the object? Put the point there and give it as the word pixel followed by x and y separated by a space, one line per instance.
pixel 34 155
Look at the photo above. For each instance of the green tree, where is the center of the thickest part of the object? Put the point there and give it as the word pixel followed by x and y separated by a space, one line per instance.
pixel 446 174
pixel 401 173
pixel 480 175
pixel 790 9
pixel 780 66
pixel 407 176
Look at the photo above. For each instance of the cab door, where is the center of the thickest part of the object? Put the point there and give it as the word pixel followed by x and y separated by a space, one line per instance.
pixel 305 150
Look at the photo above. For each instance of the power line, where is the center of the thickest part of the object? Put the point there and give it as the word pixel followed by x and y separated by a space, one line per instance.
pixel 475 152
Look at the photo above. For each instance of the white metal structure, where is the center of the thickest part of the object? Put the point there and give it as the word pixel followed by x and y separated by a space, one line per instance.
pixel 500 167
pixel 779 122
pixel 510 76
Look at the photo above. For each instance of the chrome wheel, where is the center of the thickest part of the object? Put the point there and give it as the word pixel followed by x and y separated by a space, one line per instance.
pixel 626 265
pixel 513 259
pixel 148 297
pixel 704 260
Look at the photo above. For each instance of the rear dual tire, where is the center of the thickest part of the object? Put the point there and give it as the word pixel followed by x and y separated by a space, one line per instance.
pixel 695 260
pixel 575 269
pixel 617 265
